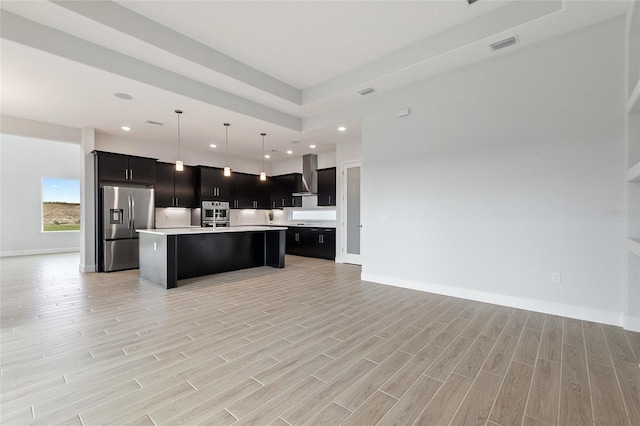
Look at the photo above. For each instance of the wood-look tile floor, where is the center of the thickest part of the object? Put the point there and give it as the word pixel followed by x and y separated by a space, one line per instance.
pixel 310 344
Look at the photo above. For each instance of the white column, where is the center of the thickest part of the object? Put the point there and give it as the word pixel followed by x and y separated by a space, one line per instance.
pixel 87 202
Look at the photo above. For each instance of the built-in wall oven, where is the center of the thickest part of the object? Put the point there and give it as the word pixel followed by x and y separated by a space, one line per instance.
pixel 215 214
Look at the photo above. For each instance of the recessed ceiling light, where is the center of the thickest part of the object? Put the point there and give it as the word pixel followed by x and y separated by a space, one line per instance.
pixel 213 145
pixel 126 128
pixel 124 96
pixel 267 156
pixel 312 146
pixel 342 128
pixel 289 152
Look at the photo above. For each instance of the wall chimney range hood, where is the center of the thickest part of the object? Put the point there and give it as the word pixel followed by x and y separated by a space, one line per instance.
pixel 309 176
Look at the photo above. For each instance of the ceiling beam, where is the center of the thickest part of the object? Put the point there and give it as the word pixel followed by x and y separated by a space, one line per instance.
pixel 141 28
pixel 23 31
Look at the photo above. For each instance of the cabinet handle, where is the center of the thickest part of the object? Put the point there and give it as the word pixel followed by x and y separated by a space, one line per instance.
pixel 177 201
pixel 293 202
pixel 126 174
pixel 283 203
pixel 274 204
pixel 329 199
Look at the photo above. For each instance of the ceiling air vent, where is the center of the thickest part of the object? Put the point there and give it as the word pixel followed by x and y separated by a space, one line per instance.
pixel 366 91
pixel 503 43
pixel 153 123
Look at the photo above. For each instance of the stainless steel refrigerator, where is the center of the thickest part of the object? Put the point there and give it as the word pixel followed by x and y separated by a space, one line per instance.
pixel 125 209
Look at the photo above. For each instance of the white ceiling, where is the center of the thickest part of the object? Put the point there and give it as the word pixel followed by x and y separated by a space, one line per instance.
pixel 260 65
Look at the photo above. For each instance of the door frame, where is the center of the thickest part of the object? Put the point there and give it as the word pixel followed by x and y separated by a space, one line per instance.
pixel 355 259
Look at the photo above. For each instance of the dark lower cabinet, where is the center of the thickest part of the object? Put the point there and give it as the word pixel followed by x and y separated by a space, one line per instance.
pixel 295 238
pixel 323 244
pixel 312 242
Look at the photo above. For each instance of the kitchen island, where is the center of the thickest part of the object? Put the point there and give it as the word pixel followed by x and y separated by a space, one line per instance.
pixel 169 255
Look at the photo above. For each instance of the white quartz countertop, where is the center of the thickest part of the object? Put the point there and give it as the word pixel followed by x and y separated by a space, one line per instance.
pixel 210 230
pixel 312 225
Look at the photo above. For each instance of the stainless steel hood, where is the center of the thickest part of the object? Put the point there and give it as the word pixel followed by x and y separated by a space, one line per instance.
pixel 309 176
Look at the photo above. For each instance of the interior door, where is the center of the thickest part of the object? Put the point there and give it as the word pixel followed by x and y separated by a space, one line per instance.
pixel 351 221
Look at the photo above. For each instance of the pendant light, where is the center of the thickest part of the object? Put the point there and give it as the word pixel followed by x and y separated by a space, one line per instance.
pixel 263 175
pixel 179 163
pixel 227 169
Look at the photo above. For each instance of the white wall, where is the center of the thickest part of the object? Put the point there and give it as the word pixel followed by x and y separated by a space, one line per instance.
pixel 24 161
pixel 501 175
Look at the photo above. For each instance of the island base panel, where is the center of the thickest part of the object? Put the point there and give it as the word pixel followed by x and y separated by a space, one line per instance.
pixel 157 259
pixel 203 254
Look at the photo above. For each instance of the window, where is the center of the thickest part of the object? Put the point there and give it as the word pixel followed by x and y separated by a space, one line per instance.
pixel 313 215
pixel 60 205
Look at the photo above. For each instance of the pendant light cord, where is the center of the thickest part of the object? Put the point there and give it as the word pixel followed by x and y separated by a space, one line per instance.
pixel 179 113
pixel 226 140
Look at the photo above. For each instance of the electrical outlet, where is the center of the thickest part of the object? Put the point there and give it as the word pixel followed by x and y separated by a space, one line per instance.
pixel 556 277
pixel 383 218
pixel 155 246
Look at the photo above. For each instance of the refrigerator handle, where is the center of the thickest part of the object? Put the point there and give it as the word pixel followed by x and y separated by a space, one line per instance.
pixel 133 213
pixel 129 208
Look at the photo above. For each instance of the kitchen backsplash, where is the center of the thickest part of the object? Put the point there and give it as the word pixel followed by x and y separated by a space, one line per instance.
pixel 260 217
pixel 248 217
pixel 180 218
pixel 173 218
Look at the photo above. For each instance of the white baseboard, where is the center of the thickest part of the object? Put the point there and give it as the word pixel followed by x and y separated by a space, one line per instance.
pixel 39 251
pixel 631 323
pixel 554 308
pixel 87 268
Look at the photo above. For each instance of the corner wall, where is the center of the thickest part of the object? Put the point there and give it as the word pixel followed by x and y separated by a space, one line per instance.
pixel 505 172
pixel 24 161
